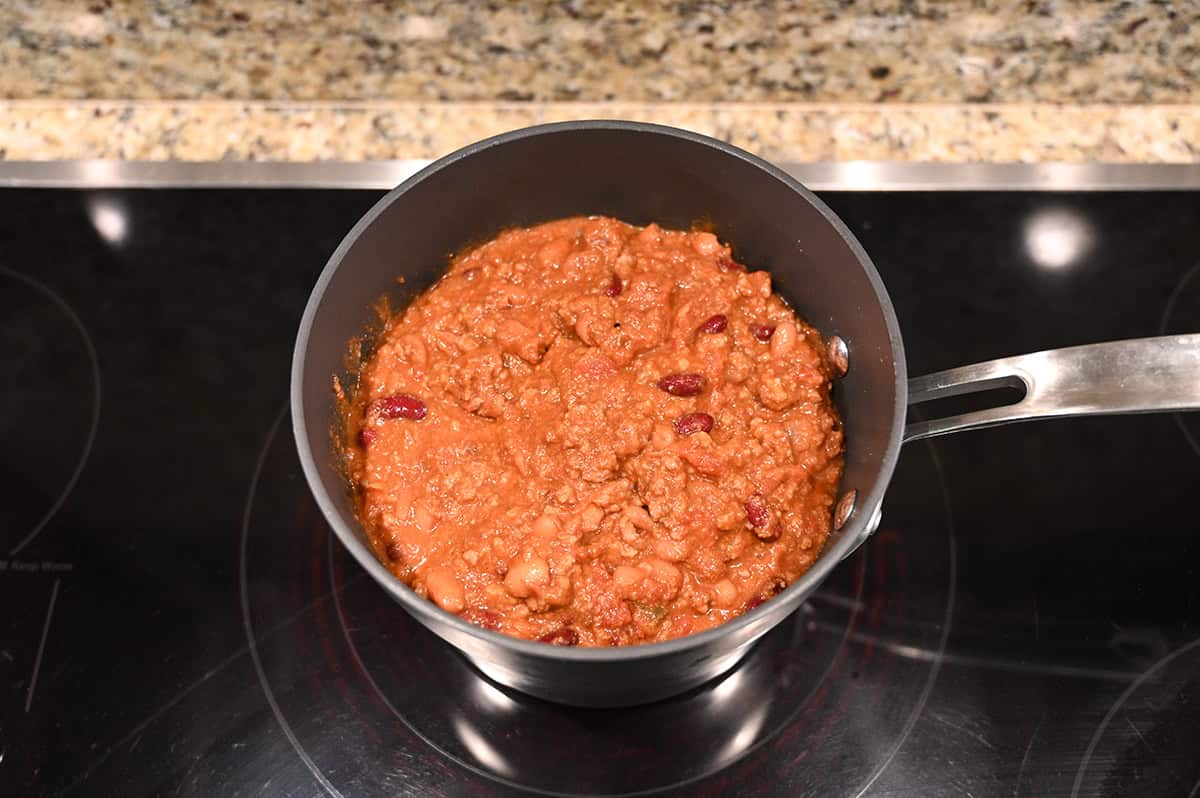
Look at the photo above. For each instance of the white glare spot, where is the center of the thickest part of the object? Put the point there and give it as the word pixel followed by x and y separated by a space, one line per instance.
pixel 726 690
pixel 492 698
pixel 745 736
pixel 857 174
pixel 1057 238
pixel 110 220
pixel 480 748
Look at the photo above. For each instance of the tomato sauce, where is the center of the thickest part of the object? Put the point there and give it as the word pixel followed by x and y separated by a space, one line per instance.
pixel 591 433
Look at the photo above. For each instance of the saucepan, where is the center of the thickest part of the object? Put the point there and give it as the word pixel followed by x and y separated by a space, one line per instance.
pixel 642 173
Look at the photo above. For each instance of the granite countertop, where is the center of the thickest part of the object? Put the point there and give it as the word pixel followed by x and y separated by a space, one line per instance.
pixel 827 80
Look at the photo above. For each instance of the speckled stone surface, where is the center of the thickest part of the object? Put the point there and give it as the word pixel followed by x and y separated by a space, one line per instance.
pixel 908 80
pixel 583 50
pixel 276 131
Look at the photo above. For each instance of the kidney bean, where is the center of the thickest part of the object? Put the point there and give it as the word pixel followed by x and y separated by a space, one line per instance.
pixel 400 405
pixel 771 592
pixel 395 552
pixel 762 332
pixel 693 422
pixel 729 265
pixel 714 324
pixel 757 601
pixel 614 286
pixel 562 636
pixel 367 436
pixel 687 384
pixel 757 512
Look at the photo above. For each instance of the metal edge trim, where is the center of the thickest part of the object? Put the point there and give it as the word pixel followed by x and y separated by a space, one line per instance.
pixel 818 176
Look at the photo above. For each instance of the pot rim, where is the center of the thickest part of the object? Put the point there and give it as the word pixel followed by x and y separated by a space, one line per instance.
pixel 432 615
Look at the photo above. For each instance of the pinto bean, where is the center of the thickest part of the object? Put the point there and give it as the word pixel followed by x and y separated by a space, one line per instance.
pixel 562 636
pixel 445 589
pixel 527 577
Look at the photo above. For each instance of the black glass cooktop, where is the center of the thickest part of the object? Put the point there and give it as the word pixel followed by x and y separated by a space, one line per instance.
pixel 177 619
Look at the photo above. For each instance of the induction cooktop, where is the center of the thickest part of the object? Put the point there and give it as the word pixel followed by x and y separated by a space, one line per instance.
pixel 178 618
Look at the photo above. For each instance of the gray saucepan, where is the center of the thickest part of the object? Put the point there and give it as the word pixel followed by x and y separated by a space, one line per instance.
pixel 642 173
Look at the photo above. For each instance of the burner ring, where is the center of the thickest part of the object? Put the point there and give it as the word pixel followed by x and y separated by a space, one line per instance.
pixel 947 623
pixel 248 624
pixel 94 420
pixel 763 739
pixel 1155 670
pixel 323 675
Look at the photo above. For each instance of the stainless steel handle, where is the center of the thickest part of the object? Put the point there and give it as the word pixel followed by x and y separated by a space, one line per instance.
pixel 1143 375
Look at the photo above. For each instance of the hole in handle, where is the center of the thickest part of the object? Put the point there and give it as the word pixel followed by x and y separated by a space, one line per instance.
pixel 1000 395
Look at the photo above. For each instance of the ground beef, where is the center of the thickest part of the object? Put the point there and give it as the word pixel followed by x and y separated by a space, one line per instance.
pixel 590 433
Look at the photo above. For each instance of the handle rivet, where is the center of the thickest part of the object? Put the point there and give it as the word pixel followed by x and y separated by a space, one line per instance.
pixel 845 506
pixel 839 355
